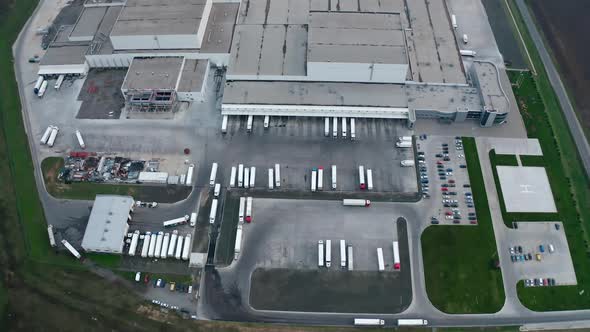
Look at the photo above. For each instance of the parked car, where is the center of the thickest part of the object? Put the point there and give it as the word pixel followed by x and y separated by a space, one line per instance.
pixel 556 227
pixel 541 248
pixel 538 256
pixel 463 166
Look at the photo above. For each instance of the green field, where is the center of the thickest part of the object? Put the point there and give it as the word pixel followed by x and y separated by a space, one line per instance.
pixel 459 261
pixel 544 120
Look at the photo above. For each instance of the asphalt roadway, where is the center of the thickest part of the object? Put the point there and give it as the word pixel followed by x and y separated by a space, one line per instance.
pixel 513 312
pixel 558 87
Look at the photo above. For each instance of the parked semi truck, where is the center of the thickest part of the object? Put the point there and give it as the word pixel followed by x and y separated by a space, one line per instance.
pixel 172 246
pixel 189 175
pixel 246 177
pixel 38 84
pixel 213 175
pixel 271 180
pixel 404 144
pixel 134 242
pixel 224 124
pixel 80 139
pixel 350 260
pixel 241 209
pixel 240 175
pixel 186 249
pixel 334 177
pixel 404 139
pixel 369 322
pixel 152 247
pixel 176 221
pixel 328 253
pixel 408 163
pixel 277 176
pixel 335 127
pixel 51 236
pixel 146 244
pixel 412 322
pixel 217 190
pixel 165 244
pixel 320 253
pixel 362 183
pixel 52 136
pixel 159 240
pixel 369 179
pixel 249 123
pixel 42 89
pixel 232 177
pixel 344 133
pixel 46 135
pixel 314 179
pixel 356 202
pixel 266 121
pixel 327 127
pixel 252 176
pixel 343 254
pixel 213 211
pixel 468 53
pixel 396 262
pixel 352 129
pixel 380 260
pixel 71 249
pixel 321 178
pixel 248 216
pixel 238 245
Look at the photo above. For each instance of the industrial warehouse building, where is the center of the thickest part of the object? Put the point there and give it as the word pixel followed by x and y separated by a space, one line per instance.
pixel 314 58
pixel 107 225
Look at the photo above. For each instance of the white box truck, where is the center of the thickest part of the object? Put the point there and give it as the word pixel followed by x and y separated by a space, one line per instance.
pixel 271 180
pixel 369 322
pixel 224 124
pixel 213 175
pixel 321 178
pixel 327 127
pixel 252 176
pixel 213 211
pixel 334 177
pixel 328 253
pixel 344 133
pixel 266 121
pixel 232 177
pixel 369 179
pixel 356 202
pixel 343 254
pixel 412 322
pixel 314 179
pixel 152 247
pixel 396 261
pixel 352 129
pixel 146 244
pixel 320 253
pixel 362 183
pixel 349 258
pixel 241 209
pixel 249 124
pixel 248 216
pixel 246 177
pixel 335 127
pixel 277 175
pixel 240 175
pixel 380 260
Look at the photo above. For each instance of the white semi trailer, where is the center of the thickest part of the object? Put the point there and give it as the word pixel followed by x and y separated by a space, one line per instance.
pixel 352 129
pixel 80 139
pixel 277 175
pixel 321 178
pixel 396 261
pixel 213 175
pixel 314 179
pixel 152 247
pixel 249 123
pixel 59 82
pixel 247 177
pixel 344 133
pixel 46 135
pixel 334 177
pixel 335 127
pixel 407 163
pixel 213 212
pixel 189 175
pixel 343 254
pixel 238 244
pixel 38 84
pixel 380 260
pixel 404 144
pixel 176 221
pixel 248 216
pixel 241 209
pixel 179 247
pixel 186 249
pixel 320 253
pixel 369 322
pixel 134 242
pixel 412 322
pixel 71 249
pixel 52 136
pixel 172 246
pixel 362 183
pixel 369 179
pixel 146 244
pixel 159 240
pixel 349 258
pixel 224 124
pixel 266 121
pixel 240 175
pixel 165 244
pixel 42 89
pixel 232 177
pixel 327 127
pixel 252 176
pixel 356 202
pixel 271 180
pixel 328 253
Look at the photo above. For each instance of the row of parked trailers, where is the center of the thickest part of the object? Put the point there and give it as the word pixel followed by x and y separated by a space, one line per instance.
pixel 325 254
pixel 246 177
pixel 396 259
pixel 368 184
pixel 161 245
pixel 344 127
pixel 41 85
pixel 50 135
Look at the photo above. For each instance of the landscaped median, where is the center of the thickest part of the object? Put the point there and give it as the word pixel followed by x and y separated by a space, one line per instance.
pixel 460 261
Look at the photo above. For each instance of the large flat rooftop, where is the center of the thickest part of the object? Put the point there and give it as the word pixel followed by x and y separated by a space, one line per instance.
pixel 153 73
pixel 315 93
pixel 155 17
pixel 107 224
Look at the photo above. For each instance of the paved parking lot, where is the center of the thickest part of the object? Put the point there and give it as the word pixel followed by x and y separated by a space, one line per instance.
pixel 557 265
pixel 453 178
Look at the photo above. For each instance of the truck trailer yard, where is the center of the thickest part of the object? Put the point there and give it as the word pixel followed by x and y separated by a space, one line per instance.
pixel 289 187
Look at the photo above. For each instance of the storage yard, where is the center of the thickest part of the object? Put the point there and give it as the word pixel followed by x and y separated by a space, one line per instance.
pixel 271 148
